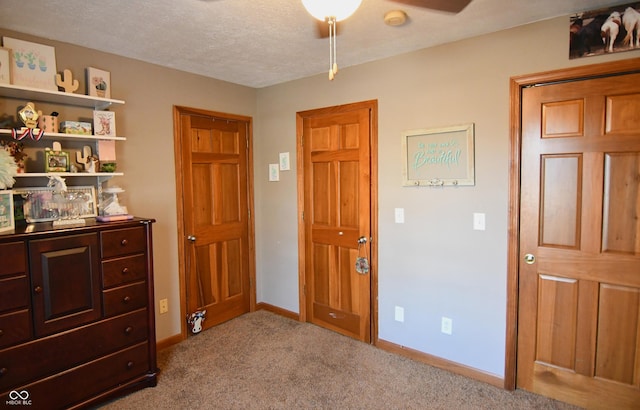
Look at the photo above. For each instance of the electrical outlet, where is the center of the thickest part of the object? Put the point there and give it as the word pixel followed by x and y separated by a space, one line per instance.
pixel 446 326
pixel 164 306
pixel 399 314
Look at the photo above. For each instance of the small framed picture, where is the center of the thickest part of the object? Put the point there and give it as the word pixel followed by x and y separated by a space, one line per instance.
pixel 5 66
pixel 104 123
pixel 56 161
pixel 7 221
pixel 98 83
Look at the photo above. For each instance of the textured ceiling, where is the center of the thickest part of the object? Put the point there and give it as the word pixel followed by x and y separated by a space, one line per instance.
pixel 258 43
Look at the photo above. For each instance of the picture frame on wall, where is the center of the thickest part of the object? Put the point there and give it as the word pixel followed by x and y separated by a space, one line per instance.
pixel 32 64
pixel 5 65
pixel 98 82
pixel 104 123
pixel 604 30
pixel 439 156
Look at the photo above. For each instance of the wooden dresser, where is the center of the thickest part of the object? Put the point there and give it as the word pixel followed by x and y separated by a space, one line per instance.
pixel 77 321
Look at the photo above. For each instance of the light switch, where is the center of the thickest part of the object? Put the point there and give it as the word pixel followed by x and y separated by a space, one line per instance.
pixel 478 221
pixel 399 215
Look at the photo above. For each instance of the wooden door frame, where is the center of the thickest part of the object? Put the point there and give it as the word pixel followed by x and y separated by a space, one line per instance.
pixel 517 84
pixel 372 105
pixel 177 132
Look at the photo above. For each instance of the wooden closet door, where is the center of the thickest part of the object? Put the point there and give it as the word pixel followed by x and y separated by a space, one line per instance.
pixel 579 289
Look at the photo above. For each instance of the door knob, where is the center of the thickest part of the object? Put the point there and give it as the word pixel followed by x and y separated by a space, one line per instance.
pixel 529 259
pixel 191 238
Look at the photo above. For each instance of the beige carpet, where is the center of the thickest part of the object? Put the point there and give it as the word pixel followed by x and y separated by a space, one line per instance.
pixel 265 361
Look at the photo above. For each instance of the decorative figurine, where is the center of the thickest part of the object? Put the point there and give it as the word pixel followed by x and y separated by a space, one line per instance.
pixel 88 161
pixel 195 321
pixel 29 115
pixel 68 84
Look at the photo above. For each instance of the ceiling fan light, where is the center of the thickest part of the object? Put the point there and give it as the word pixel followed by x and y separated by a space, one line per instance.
pixel 340 9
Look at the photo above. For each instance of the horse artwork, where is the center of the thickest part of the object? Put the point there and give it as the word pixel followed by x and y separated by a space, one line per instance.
pixel 195 320
pixel 605 30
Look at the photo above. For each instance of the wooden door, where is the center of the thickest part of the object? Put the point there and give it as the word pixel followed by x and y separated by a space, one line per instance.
pixel 215 207
pixel 579 272
pixel 337 208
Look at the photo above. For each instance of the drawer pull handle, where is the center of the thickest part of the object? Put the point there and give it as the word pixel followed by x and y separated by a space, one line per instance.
pixel 128 330
pixel 3 371
pixel 125 271
pixel 130 365
pixel 38 289
pixel 126 299
pixel 124 242
pixel 1 332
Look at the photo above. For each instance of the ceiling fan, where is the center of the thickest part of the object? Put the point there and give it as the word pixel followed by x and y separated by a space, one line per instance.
pixel 330 12
pixel 449 6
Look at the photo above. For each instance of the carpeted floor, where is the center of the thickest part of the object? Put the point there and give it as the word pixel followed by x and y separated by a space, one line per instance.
pixel 264 361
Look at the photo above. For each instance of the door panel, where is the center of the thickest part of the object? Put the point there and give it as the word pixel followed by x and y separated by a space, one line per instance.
pixel 337 208
pixel 216 215
pixel 579 301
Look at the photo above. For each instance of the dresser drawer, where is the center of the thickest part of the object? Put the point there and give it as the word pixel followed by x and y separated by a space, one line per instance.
pixel 15 293
pixel 15 327
pixel 123 270
pixel 120 242
pixel 12 256
pixel 125 298
pixel 55 354
pixel 81 383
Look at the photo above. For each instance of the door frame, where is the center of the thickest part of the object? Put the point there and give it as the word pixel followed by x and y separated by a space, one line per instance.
pixel 372 105
pixel 517 84
pixel 182 234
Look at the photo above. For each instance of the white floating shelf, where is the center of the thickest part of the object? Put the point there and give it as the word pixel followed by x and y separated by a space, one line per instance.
pixel 35 94
pixel 68 174
pixel 80 137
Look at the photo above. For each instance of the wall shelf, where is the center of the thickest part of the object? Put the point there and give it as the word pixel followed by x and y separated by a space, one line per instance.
pixel 68 174
pixel 77 137
pixel 35 94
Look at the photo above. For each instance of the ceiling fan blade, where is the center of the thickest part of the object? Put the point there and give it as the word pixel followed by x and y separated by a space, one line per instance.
pixel 451 6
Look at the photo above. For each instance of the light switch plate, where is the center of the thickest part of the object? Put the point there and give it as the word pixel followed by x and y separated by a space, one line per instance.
pixel 399 215
pixel 479 221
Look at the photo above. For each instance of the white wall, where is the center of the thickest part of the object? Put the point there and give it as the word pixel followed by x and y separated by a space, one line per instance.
pixel 435 264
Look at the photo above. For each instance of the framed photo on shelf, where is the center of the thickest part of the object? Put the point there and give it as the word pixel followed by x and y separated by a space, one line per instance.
pixel 98 83
pixel 5 66
pixel 7 222
pixel 32 65
pixel 56 161
pixel 104 123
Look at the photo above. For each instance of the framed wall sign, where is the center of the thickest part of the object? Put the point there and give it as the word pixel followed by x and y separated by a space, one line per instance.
pixel 439 156
pixel 5 66
pixel 32 64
